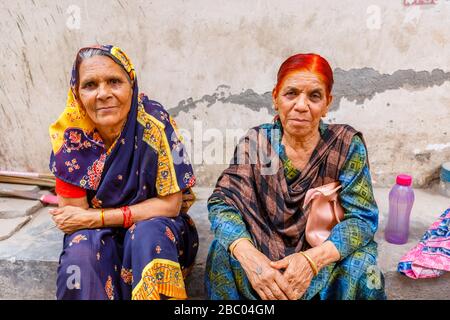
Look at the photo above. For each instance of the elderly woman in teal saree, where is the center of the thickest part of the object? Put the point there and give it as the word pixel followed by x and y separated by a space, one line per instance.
pixel 259 250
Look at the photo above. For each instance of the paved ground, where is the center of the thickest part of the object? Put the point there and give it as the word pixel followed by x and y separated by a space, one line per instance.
pixel 29 250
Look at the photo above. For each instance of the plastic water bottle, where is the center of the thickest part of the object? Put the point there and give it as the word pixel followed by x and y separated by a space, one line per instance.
pixel 401 199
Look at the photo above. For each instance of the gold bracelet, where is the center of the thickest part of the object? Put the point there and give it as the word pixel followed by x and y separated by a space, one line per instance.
pixel 235 243
pixel 102 216
pixel 311 263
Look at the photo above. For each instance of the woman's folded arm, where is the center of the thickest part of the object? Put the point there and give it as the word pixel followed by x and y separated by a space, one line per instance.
pixel 226 222
pixel 74 212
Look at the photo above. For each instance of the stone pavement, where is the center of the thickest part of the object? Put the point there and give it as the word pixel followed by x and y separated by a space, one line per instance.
pixel 30 248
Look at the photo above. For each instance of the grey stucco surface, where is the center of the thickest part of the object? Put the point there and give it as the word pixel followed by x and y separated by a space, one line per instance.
pixel 216 63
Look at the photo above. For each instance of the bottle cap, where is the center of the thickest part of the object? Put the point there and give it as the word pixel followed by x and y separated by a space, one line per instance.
pixel 404 180
pixel 445 172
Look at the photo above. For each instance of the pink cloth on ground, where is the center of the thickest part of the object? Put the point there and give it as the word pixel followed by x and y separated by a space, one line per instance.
pixel 431 257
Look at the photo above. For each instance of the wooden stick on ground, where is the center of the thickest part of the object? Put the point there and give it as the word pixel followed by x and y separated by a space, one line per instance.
pixel 39 179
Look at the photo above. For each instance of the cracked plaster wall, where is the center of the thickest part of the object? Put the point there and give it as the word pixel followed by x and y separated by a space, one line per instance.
pixel 213 66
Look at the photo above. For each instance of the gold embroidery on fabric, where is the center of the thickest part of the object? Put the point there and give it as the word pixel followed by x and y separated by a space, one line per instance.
pixel 77 239
pixel 73 116
pixel 109 288
pixel 126 62
pixel 153 128
pixel 161 276
pixel 72 165
pixel 126 275
pixel 155 137
pixel 96 203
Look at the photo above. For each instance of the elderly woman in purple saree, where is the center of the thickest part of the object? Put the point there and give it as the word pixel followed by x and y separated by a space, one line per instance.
pixel 123 181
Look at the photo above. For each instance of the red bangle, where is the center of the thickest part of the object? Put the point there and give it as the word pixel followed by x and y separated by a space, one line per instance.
pixel 127 217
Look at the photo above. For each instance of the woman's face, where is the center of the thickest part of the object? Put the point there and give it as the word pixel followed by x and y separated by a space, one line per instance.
pixel 105 91
pixel 301 101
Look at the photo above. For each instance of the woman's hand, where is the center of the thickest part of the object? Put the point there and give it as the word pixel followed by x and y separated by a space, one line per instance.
pixel 267 281
pixel 298 273
pixel 70 219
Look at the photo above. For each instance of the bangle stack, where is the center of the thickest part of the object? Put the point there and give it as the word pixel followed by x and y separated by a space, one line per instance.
pixel 311 263
pixel 127 217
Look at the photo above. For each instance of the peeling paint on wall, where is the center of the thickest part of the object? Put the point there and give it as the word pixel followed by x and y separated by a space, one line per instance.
pixel 438 147
pixel 361 84
pixel 433 147
pixel 232 43
pixel 356 85
pixel 249 99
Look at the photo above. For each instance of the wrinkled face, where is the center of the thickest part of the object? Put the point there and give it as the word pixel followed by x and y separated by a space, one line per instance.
pixel 105 91
pixel 301 102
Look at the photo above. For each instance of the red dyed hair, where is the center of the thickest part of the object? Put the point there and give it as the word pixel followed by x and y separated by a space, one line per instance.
pixel 306 62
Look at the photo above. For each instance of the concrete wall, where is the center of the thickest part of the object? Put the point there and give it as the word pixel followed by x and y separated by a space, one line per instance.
pixel 213 64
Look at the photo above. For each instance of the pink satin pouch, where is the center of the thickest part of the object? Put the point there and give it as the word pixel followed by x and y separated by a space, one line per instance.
pixel 325 212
